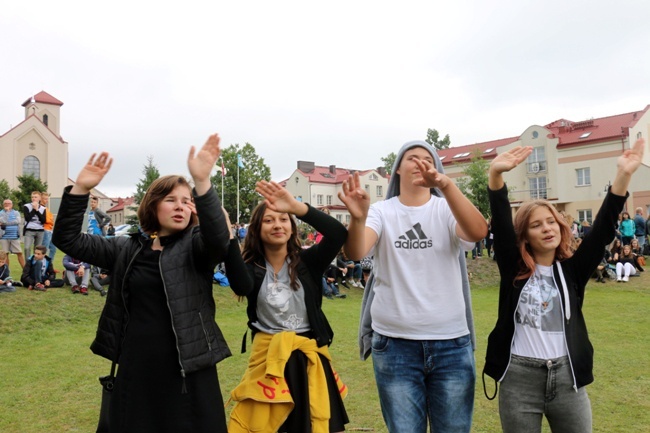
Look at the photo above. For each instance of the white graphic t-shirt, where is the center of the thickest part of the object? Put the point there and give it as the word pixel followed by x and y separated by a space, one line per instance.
pixel 418 286
pixel 539 331
pixel 279 307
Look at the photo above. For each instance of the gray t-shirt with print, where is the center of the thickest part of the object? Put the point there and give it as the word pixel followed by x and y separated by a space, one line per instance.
pixel 279 307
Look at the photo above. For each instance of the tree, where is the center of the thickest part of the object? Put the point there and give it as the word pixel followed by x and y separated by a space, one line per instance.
pixel 151 173
pixel 474 183
pixel 27 184
pixel 388 162
pixel 5 191
pixel 253 169
pixel 433 139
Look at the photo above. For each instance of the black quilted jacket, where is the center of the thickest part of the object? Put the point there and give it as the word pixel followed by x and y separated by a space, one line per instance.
pixel 187 265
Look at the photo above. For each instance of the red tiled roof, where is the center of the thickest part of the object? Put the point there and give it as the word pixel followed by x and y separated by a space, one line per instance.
pixel 121 204
pixel 322 174
pixel 487 148
pixel 43 97
pixel 594 130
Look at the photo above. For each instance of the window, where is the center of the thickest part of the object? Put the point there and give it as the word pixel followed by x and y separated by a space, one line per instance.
pixel 585 135
pixel 347 219
pixel 367 188
pixel 339 217
pixel 46 119
pixel 31 165
pixel 329 200
pixel 372 176
pixel 583 176
pixel 380 190
pixel 537 160
pixel 538 188
pixel 584 214
pixel 319 199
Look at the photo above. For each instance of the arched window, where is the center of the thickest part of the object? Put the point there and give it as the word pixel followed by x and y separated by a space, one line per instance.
pixel 45 119
pixel 31 165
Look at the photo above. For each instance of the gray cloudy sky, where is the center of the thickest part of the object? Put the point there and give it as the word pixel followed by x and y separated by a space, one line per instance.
pixel 338 82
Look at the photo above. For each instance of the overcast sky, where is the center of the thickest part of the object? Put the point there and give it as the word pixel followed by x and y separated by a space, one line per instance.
pixel 337 82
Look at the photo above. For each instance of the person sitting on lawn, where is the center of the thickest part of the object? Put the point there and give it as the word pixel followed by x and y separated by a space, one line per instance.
pixel 6 285
pixel 38 273
pixel 77 272
pixel 626 265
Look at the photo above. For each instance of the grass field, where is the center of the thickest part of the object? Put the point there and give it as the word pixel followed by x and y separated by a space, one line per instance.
pixel 48 376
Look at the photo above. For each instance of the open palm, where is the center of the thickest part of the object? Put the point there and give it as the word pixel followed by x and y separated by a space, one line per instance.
pixel 202 162
pixel 94 171
pixel 510 159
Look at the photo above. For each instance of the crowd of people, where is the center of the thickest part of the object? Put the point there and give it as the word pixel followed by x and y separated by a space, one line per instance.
pixel 37 252
pixel 407 253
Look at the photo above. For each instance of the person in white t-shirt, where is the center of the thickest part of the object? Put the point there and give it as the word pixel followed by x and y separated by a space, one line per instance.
pixel 539 349
pixel 418 303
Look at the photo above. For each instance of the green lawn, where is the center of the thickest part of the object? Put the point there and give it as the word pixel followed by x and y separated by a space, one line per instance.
pixel 48 376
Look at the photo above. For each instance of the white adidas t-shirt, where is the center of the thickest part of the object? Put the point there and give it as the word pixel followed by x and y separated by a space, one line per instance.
pixel 539 331
pixel 418 286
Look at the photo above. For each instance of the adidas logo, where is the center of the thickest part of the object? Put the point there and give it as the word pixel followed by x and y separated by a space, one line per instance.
pixel 414 239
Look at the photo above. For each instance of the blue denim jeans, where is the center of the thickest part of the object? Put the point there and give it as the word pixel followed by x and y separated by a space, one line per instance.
pixel 425 379
pixel 47 242
pixel 533 388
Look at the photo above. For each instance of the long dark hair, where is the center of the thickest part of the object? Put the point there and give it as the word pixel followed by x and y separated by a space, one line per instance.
pixel 253 251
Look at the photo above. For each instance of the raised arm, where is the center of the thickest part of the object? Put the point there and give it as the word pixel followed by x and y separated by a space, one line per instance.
pixel 92 173
pixel 471 225
pixel 278 199
pixel 202 162
pixel 506 162
pixel 360 238
pixel 626 165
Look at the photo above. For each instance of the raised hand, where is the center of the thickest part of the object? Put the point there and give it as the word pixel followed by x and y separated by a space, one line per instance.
pixel 278 199
pixel 431 178
pixel 631 158
pixel 510 159
pixel 201 164
pixel 92 173
pixel 354 197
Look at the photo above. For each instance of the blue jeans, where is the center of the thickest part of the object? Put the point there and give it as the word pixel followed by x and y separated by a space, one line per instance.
pixel 533 388
pixel 47 243
pixel 425 379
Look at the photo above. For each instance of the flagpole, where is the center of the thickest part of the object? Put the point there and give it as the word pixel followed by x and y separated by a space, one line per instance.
pixel 222 176
pixel 237 189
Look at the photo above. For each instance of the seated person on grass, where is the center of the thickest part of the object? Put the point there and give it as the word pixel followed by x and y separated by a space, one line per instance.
pixel 77 272
pixel 6 285
pixel 38 273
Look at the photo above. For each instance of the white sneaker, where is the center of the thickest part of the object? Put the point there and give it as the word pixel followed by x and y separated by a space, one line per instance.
pixel 618 280
pixel 355 284
pixel 626 279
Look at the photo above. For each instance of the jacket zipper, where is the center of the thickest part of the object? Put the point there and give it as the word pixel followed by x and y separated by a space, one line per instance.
pixel 205 332
pixel 171 316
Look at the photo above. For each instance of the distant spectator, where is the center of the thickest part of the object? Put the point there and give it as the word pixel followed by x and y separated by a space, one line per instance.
pixel 34 219
pixel 48 226
pixel 38 273
pixel 625 266
pixel 100 280
pixel 110 230
pixel 241 233
pixel 640 227
pixel 77 273
pixel 97 218
pixel 6 284
pixel 10 240
pixel 626 228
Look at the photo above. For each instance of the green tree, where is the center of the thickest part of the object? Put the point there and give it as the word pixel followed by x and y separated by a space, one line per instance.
pixel 151 173
pixel 253 170
pixel 474 183
pixel 433 138
pixel 26 185
pixel 388 162
pixel 5 191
